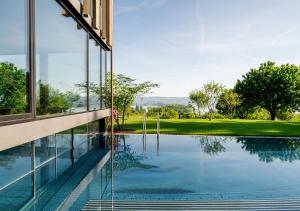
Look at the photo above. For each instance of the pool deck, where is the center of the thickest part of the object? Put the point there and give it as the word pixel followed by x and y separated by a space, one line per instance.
pixel 293 204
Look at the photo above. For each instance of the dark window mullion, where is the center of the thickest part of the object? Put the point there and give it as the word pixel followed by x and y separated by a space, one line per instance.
pixel 87 73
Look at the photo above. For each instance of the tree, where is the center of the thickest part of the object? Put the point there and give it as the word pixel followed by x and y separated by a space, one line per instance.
pixel 274 88
pixel 200 99
pixel 213 91
pixel 228 103
pixel 13 89
pixel 125 91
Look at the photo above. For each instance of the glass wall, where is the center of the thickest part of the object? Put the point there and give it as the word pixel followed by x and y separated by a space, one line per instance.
pixel 14 67
pixel 55 156
pixel 61 70
pixel 94 75
pixel 64 58
pixel 15 176
pixel 104 80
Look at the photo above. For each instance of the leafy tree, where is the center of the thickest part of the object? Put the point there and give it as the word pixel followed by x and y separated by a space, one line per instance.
pixel 200 99
pixel 125 91
pixel 228 103
pixel 12 89
pixel 274 88
pixel 213 91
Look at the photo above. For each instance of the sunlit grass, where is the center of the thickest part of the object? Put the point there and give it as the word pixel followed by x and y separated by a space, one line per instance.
pixel 235 127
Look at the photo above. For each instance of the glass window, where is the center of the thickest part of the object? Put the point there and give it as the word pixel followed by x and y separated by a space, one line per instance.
pixel 14 71
pixel 16 195
pixel 44 149
pixel 80 134
pixel 93 127
pixel 94 75
pixel 104 82
pixel 64 141
pixel 14 163
pixel 64 162
pixel 81 141
pixel 45 174
pixel 61 45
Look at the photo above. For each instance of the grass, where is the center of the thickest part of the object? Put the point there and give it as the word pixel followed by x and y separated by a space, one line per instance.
pixel 227 127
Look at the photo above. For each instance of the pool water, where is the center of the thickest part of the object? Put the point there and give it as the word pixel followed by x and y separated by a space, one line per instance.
pixel 205 168
pixel 191 168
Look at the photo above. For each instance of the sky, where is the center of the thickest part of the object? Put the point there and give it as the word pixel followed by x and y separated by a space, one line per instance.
pixel 183 44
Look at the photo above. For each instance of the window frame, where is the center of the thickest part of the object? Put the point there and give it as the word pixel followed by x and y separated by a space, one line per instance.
pixel 31 65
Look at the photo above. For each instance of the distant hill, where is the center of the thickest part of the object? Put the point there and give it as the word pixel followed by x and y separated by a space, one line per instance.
pixel 160 101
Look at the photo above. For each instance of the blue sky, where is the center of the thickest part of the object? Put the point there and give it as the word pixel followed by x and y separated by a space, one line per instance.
pixel 182 44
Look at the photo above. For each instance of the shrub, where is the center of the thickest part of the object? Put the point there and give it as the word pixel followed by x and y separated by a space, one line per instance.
pixel 190 115
pixel 285 115
pixel 166 113
pixel 213 116
pixel 259 114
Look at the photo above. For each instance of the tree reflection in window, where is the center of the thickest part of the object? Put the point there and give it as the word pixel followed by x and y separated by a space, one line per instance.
pixel 13 91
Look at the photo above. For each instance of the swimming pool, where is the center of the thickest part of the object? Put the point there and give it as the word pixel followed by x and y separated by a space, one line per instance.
pixel 199 168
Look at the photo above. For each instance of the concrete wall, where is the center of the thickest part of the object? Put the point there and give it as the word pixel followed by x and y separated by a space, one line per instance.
pixel 17 134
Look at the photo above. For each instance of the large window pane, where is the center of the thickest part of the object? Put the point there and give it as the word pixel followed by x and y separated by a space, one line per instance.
pixel 64 141
pixel 81 141
pixel 14 163
pixel 14 71
pixel 60 61
pixel 94 75
pixel 16 195
pixel 44 149
pixel 104 80
pixel 45 174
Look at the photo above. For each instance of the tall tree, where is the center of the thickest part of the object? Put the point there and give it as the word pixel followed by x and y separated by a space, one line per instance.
pixel 125 91
pixel 228 103
pixel 213 91
pixel 199 98
pixel 274 88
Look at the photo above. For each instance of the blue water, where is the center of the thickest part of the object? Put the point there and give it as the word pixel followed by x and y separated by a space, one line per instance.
pixel 197 168
pixel 169 168
pixel 205 168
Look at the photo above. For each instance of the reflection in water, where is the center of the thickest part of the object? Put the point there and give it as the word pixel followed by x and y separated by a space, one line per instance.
pixel 212 145
pixel 269 149
pixel 125 157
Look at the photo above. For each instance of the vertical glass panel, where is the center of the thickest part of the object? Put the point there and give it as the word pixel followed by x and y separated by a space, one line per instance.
pixel 94 75
pixel 44 149
pixel 16 195
pixel 45 174
pixel 93 127
pixel 104 80
pixel 61 46
pixel 81 141
pixel 64 162
pixel 80 134
pixel 64 141
pixel 14 163
pixel 14 71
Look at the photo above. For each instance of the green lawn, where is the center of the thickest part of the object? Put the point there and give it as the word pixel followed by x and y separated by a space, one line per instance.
pixel 216 127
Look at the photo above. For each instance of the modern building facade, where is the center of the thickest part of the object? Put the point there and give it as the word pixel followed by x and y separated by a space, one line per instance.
pixel 55 91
